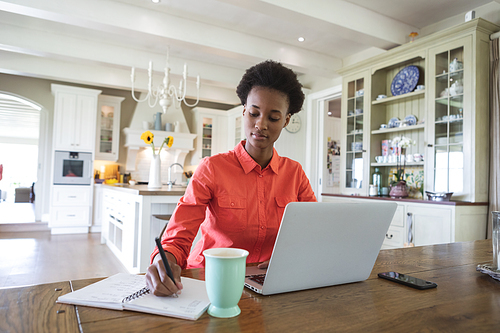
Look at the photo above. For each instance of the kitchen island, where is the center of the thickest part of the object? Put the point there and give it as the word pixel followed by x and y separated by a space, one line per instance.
pixel 128 223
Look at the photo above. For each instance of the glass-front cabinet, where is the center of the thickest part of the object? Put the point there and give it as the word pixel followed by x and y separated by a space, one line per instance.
pixel 450 108
pixel 108 127
pixel 206 137
pixel 355 108
pixel 443 112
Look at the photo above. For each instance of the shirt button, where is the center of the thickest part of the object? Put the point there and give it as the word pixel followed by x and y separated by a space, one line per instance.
pixel 232 204
pixel 262 227
pixel 260 176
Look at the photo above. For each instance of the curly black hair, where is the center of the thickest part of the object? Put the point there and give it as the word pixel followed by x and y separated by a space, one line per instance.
pixel 273 75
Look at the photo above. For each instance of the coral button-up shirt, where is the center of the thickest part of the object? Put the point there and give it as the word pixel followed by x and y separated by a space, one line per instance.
pixel 236 204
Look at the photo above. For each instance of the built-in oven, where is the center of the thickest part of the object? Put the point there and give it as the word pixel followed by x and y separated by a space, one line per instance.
pixel 72 168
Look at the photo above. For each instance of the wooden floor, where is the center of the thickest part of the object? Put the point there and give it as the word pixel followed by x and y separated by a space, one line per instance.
pixel 38 257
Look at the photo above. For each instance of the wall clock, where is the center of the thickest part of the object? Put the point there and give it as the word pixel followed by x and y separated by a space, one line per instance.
pixel 294 124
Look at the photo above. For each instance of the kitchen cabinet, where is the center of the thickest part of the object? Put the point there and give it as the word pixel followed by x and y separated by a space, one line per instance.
pixel 70 208
pixel 429 225
pixel 447 118
pixel 423 222
pixel 236 127
pixel 128 226
pixel 119 226
pixel 108 127
pixel 74 118
pixel 355 117
pixel 212 129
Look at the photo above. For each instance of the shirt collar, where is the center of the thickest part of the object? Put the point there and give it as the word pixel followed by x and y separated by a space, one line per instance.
pixel 247 162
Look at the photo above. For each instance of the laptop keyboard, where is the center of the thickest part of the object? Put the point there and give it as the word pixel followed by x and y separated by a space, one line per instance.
pixel 259 278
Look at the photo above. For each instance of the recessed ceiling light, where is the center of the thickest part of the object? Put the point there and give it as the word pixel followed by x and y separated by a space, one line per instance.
pixel 156 1
pixel 301 39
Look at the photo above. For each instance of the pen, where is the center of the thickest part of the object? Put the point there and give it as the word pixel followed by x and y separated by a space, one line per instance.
pixel 164 259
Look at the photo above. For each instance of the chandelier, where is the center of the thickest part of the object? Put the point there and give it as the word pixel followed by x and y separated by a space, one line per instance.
pixel 166 93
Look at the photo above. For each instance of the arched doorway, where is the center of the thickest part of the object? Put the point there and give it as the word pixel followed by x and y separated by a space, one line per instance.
pixel 22 143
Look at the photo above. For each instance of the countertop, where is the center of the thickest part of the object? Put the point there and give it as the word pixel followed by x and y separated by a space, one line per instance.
pixel 451 203
pixel 144 190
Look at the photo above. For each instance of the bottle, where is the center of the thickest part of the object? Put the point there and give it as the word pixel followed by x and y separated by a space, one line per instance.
pixel 377 181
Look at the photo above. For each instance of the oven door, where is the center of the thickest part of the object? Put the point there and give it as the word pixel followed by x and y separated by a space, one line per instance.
pixel 72 168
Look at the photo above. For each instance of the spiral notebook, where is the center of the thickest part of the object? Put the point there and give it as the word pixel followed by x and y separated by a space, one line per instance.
pixel 128 292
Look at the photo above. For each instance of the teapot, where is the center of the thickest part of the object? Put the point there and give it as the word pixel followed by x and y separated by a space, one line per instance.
pixel 456 65
pixel 456 88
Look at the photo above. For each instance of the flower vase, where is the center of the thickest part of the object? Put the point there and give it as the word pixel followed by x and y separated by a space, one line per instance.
pixel 155 172
pixel 399 190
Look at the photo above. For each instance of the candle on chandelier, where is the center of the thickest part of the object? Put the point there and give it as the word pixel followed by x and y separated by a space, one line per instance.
pixel 198 81
pixel 150 69
pixel 133 74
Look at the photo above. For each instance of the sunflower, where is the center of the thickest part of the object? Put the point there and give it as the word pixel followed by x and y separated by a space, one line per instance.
pixel 169 141
pixel 147 137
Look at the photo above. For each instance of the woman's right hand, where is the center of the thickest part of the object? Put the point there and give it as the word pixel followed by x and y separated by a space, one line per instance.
pixel 157 279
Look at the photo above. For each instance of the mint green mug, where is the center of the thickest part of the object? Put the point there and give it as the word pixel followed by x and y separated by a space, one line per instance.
pixel 225 280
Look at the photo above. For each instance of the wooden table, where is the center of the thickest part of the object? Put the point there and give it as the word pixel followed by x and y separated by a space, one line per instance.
pixel 465 300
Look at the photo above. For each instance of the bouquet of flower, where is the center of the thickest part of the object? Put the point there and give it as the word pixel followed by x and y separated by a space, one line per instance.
pixel 401 143
pixel 148 139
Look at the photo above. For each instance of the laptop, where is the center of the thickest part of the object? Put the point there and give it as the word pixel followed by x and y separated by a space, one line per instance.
pixel 323 244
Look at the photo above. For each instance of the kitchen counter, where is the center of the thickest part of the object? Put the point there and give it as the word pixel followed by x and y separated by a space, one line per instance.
pixel 409 200
pixel 129 222
pixel 144 190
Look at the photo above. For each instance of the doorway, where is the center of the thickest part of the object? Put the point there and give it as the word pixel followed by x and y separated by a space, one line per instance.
pixel 320 127
pixel 331 152
pixel 20 124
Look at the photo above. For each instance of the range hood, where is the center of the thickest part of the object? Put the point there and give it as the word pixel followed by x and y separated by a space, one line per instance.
pixel 183 144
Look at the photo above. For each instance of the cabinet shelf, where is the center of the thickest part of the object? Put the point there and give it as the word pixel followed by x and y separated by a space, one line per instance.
pixel 455 100
pixel 399 97
pixel 399 129
pixel 374 164
pixel 443 77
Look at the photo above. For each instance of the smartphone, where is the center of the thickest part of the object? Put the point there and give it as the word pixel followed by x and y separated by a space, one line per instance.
pixel 407 280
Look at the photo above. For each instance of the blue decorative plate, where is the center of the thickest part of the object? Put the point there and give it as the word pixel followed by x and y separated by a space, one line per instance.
pixel 411 120
pixel 393 122
pixel 405 81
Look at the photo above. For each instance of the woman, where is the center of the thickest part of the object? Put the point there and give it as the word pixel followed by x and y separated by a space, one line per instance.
pixel 238 198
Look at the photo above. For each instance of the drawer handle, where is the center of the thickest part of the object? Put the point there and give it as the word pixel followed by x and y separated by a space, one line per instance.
pixel 71 215
pixel 112 217
pixel 387 236
pixel 119 221
pixel 72 196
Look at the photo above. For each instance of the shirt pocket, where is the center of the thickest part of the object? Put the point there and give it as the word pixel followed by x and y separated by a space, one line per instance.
pixel 281 203
pixel 232 215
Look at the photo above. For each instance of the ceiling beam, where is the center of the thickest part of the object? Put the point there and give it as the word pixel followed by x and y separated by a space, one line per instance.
pixel 158 30
pixel 340 18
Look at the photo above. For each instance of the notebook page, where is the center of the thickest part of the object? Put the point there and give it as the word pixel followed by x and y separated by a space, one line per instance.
pixel 107 293
pixel 190 304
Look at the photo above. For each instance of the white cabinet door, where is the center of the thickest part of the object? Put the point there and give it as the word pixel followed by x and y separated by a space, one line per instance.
pixel 430 225
pixel 108 128
pixel 354 158
pixel 63 121
pixel 85 123
pixel 212 130
pixel 74 118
